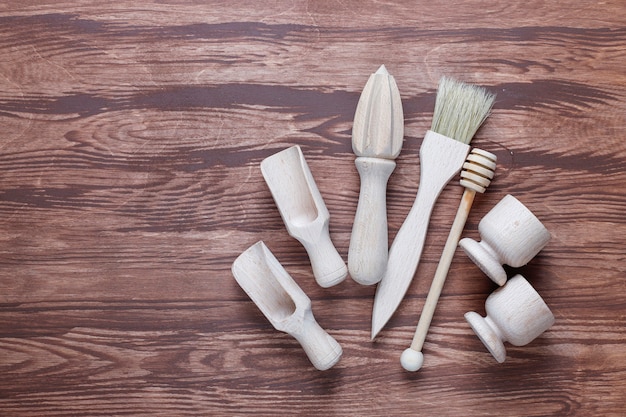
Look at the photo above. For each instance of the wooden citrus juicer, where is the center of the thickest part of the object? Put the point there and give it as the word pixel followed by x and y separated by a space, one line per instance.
pixel 283 302
pixel 304 213
pixel 377 135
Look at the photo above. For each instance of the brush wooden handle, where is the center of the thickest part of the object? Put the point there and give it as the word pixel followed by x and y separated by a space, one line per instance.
pixel 440 158
pixel 476 177
pixel 367 256
pixel 408 244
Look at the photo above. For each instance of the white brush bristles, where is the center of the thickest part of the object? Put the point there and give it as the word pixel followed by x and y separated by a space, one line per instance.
pixel 460 109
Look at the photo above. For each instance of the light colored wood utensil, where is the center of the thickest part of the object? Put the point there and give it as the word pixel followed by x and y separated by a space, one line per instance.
pixel 516 313
pixel 376 140
pixel 283 302
pixel 304 213
pixel 510 234
pixel 460 109
pixel 476 176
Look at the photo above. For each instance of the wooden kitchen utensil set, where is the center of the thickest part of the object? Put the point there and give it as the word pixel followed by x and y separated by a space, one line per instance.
pixel 510 233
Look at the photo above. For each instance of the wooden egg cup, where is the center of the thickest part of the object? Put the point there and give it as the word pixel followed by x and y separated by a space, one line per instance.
pixel 510 234
pixel 515 314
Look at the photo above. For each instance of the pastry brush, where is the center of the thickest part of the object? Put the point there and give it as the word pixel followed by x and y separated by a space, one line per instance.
pixel 460 109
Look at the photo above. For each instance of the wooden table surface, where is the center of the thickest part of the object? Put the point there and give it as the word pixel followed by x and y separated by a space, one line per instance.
pixel 132 134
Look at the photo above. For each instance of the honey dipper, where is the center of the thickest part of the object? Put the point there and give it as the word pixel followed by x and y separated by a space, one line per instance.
pixel 478 170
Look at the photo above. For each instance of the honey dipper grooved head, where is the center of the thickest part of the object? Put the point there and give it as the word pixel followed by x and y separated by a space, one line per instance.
pixel 478 170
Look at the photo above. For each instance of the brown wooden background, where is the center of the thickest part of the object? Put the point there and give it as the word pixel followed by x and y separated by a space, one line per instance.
pixel 131 137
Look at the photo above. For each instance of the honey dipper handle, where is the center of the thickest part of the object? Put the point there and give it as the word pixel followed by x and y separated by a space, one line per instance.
pixel 367 256
pixel 442 269
pixel 475 177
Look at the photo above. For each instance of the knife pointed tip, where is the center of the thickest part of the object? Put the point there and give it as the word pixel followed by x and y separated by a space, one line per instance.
pixel 389 294
pixel 382 70
pixel 374 333
pixel 377 324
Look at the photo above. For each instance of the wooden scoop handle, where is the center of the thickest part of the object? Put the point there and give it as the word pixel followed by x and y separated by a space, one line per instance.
pixel 321 348
pixel 367 256
pixel 328 267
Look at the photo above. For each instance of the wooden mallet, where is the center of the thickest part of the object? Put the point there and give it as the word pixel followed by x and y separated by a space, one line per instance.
pixel 478 170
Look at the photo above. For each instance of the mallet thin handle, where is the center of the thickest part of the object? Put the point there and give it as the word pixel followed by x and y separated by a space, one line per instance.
pixel 442 269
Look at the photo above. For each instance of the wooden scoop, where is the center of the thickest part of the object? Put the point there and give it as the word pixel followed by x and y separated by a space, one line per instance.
pixel 284 303
pixel 304 213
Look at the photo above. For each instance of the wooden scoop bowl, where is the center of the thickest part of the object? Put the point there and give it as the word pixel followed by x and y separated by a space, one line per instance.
pixel 285 305
pixel 304 213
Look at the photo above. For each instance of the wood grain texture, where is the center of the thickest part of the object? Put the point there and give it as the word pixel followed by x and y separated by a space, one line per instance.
pixel 132 134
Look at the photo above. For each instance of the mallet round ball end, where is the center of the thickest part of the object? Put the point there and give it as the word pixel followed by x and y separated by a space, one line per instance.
pixel 411 360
